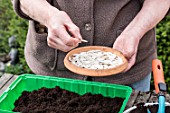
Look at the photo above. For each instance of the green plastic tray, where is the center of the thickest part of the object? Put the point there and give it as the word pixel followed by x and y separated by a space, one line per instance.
pixel 30 82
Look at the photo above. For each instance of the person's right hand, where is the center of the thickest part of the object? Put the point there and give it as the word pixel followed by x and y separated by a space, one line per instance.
pixel 63 34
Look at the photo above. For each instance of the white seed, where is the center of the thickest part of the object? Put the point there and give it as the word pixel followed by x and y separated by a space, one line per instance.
pixel 96 59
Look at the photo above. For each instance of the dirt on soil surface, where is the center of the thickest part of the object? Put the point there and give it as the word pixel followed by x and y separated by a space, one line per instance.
pixel 57 100
pixel 153 109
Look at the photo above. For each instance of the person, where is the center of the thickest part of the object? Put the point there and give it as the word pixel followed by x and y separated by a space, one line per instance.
pixel 125 25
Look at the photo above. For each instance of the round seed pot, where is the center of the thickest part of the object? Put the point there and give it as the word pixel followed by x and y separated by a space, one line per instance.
pixel 95 72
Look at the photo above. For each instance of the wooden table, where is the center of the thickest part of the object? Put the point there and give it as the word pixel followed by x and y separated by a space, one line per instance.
pixel 5 81
pixel 136 96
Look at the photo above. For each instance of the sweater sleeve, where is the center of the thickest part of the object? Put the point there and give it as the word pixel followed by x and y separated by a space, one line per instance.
pixel 18 11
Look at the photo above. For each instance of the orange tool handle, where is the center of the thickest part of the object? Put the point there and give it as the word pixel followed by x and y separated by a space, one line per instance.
pixel 157 73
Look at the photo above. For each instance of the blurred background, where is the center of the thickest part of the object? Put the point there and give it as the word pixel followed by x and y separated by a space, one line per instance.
pixel 14 28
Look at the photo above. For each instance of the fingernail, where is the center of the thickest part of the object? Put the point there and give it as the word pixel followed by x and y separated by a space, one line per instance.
pixel 79 36
pixel 79 40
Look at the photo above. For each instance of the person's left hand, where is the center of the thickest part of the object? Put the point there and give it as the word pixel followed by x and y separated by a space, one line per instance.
pixel 128 46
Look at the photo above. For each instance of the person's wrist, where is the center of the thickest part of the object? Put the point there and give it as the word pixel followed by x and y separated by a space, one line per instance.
pixel 132 36
pixel 50 13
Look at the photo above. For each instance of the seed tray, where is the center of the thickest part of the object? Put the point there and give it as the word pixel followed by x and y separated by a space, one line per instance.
pixel 30 82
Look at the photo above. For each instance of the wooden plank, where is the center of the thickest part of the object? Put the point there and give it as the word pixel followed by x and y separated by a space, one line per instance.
pixel 132 99
pixel 8 84
pixel 4 79
pixel 167 98
pixel 142 97
pixel 153 98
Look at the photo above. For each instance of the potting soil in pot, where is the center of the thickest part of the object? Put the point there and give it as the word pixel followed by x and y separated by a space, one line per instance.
pixel 153 109
pixel 57 100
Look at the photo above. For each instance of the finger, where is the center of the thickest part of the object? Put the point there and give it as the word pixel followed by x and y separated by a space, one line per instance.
pixel 118 46
pixel 131 62
pixel 71 27
pixel 73 30
pixel 56 43
pixel 66 38
pixel 128 52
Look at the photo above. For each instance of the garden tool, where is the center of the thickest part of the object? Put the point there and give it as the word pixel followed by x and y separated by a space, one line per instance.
pixel 159 82
pixel 160 88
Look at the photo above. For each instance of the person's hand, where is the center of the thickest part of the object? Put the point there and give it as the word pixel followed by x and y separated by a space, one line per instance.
pixel 63 34
pixel 127 45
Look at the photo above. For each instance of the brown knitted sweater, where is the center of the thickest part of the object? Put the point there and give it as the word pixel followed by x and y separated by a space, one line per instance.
pixel 101 22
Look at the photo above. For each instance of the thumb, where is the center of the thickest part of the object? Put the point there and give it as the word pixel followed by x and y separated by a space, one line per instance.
pixel 131 62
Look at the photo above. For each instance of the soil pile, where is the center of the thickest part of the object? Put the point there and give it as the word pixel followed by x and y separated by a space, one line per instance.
pixel 57 100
